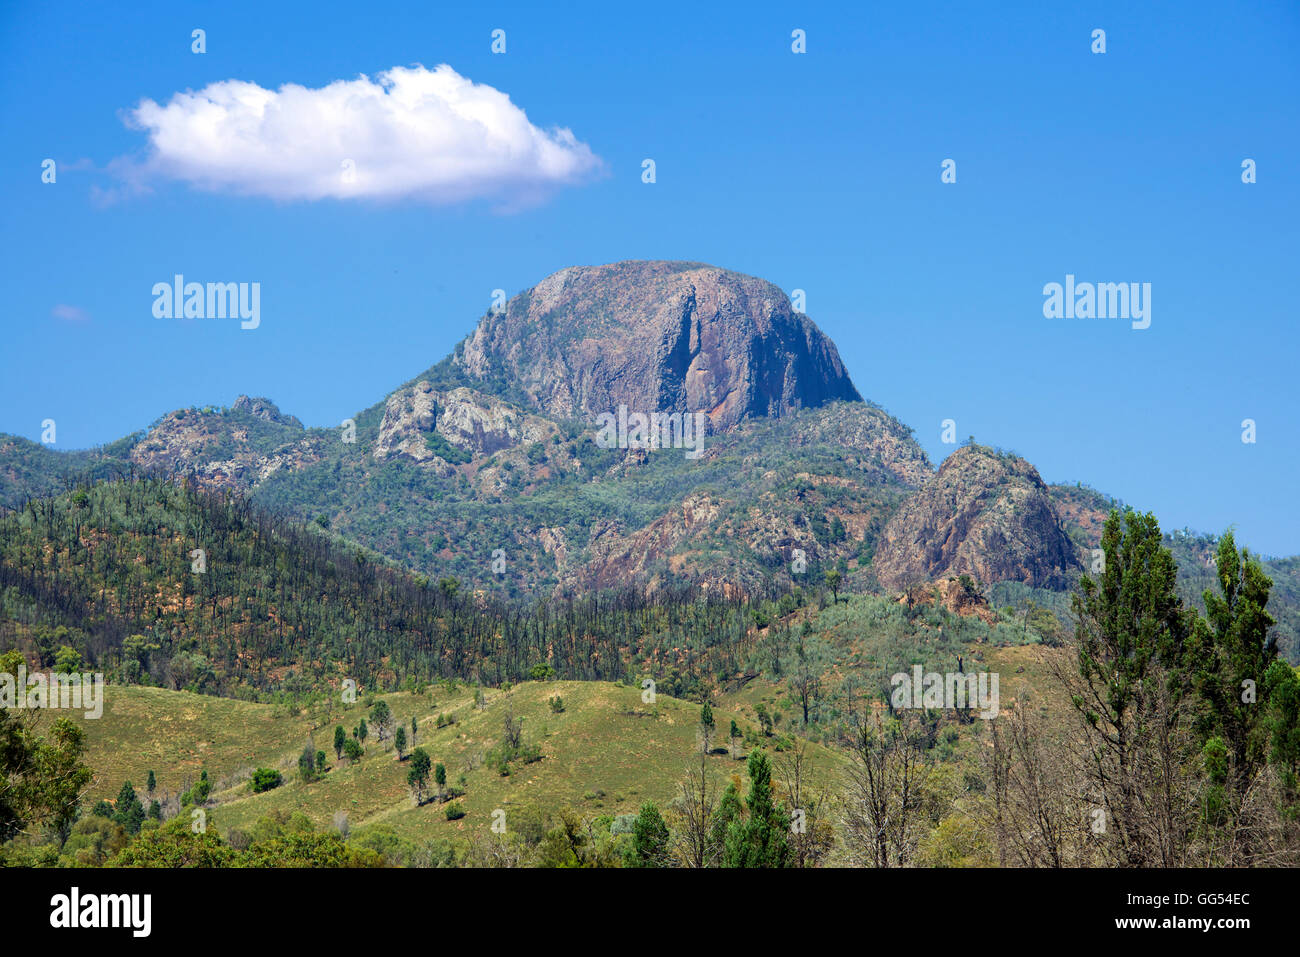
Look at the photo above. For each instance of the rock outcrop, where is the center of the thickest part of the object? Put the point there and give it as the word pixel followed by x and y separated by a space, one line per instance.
pixel 658 337
pixel 470 421
pixel 985 514
pixel 263 408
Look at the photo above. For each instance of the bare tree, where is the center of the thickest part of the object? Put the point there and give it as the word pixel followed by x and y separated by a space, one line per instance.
pixel 1040 816
pixel 811 837
pixel 883 799
pixel 694 807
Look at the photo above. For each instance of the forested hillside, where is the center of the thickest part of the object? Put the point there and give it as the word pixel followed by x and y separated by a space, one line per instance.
pixel 111 571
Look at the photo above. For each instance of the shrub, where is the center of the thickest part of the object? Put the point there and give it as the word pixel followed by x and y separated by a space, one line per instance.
pixel 455 811
pixel 264 779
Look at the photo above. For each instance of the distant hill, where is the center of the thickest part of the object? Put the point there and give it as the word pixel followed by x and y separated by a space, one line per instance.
pixel 491 467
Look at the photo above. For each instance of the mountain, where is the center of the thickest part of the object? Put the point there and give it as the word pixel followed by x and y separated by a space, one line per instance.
pixel 486 467
pixel 492 452
pixel 658 337
pixel 984 514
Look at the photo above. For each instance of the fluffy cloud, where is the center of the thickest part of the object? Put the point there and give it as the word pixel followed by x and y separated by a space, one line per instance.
pixel 431 135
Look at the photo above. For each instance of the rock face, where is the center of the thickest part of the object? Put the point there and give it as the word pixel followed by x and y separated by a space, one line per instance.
pixel 263 408
pixel 984 514
pixel 476 423
pixel 658 337
pixel 226 451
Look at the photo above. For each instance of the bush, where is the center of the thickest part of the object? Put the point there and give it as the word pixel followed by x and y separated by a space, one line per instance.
pixel 455 811
pixel 264 779
pixel 439 446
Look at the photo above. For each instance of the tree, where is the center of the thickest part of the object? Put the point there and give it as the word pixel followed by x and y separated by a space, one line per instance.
pixel 264 779
pixel 883 795
pixel 833 581
pixel 733 735
pixel 198 794
pixel 706 728
pixel 1229 653
pixel 417 776
pixel 362 731
pixel 151 784
pixel 1282 724
pixel 41 779
pixel 340 736
pixel 650 838
pixel 810 836
pixel 399 742
pixel 307 764
pixel 415 728
pixel 764 719
pixel 440 778
pixel 352 750
pixel 381 716
pixel 127 810
pixel 805 672
pixel 1130 637
pixel 696 841
pixel 760 837
pixel 1038 817
pixel 513 728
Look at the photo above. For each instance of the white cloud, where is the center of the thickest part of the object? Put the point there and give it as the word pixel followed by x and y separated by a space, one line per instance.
pixel 431 135
pixel 70 313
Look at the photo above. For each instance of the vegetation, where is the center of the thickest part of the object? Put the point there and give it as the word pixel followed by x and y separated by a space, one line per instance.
pixel 1152 731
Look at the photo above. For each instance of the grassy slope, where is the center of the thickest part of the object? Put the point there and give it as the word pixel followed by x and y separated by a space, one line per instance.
pixel 606 753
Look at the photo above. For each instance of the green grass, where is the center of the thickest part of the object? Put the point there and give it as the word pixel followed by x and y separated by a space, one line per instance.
pixel 606 753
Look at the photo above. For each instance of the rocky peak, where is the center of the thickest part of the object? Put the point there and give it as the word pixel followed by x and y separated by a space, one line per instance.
pixel 985 514
pixel 263 408
pixel 658 337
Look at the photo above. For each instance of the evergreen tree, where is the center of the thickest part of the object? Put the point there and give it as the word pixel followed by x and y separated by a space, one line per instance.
pixel 1282 728
pixel 307 764
pixel 761 837
pixel 1229 654
pixel 399 741
pixel 127 810
pixel 381 716
pixel 417 776
pixel 706 727
pixel 340 736
pixel 729 811
pixel 1131 638
pixel 650 838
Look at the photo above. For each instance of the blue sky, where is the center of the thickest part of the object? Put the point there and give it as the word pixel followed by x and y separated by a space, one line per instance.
pixel 818 171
